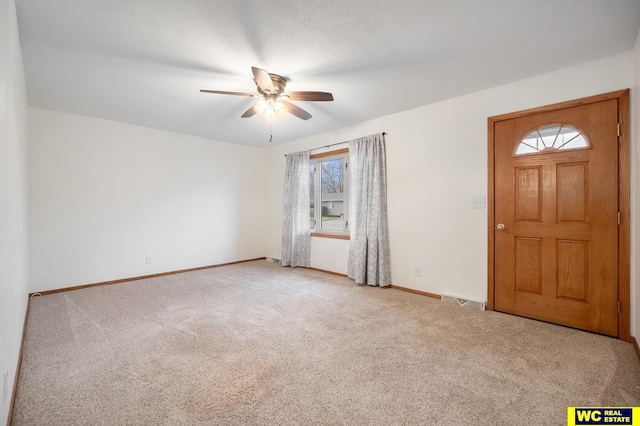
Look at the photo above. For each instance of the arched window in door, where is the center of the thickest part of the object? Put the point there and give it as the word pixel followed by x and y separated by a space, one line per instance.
pixel 552 138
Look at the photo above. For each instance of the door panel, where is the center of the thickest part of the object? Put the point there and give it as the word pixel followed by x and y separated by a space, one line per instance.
pixel 528 263
pixel 528 203
pixel 557 258
pixel 573 192
pixel 573 270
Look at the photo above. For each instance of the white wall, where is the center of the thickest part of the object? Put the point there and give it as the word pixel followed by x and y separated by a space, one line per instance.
pixel 437 161
pixel 635 189
pixel 13 199
pixel 104 195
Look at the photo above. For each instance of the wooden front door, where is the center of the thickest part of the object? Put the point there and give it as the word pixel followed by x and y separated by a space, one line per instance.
pixel 556 213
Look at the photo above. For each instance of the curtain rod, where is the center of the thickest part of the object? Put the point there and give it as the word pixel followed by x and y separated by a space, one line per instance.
pixel 333 144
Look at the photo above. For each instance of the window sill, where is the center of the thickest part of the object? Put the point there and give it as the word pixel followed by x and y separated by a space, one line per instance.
pixel 330 235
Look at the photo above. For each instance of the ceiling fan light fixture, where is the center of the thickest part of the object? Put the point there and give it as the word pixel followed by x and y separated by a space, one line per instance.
pixel 270 108
pixel 274 101
pixel 279 108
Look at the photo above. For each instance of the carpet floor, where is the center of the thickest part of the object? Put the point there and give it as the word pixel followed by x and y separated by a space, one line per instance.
pixel 256 343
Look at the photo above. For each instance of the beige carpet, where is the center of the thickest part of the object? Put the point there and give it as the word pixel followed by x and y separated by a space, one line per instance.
pixel 256 343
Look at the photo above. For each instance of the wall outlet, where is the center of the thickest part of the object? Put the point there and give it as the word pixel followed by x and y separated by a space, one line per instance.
pixel 417 271
pixel 148 260
pixel 5 385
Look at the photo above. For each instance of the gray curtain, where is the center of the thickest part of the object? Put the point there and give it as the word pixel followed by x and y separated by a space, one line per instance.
pixel 369 246
pixel 296 229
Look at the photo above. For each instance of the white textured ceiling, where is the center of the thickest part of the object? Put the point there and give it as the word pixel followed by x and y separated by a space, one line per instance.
pixel 144 62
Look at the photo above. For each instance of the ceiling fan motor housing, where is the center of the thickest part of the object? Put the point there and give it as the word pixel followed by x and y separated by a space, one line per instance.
pixel 279 83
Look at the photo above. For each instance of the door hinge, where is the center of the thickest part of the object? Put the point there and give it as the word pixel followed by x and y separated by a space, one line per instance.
pixel 619 307
pixel 618 218
pixel 618 129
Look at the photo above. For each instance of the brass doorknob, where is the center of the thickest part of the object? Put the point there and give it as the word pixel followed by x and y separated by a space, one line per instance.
pixel 500 227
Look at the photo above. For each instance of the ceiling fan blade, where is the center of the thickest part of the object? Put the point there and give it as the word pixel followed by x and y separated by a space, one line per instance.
pixel 296 110
pixel 263 79
pixel 310 96
pixel 221 92
pixel 250 112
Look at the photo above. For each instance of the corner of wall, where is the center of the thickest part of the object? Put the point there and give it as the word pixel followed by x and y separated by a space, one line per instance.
pixel 14 199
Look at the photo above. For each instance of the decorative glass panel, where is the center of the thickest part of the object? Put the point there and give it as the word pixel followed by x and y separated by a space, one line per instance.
pixel 556 137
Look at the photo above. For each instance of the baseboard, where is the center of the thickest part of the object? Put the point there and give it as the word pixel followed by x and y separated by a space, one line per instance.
pixel 328 272
pixel 397 287
pixel 421 293
pixel 142 277
pixel 635 345
pixel 19 365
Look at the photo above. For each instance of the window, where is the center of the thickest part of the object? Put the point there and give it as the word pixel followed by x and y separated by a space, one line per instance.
pixel 329 192
pixel 553 138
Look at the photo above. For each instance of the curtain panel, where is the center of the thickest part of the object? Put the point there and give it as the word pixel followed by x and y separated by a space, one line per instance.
pixel 369 261
pixel 296 229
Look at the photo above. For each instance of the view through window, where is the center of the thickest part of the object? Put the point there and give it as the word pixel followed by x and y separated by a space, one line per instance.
pixel 328 197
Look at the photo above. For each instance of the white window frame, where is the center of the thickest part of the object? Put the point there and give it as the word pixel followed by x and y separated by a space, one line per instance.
pixel 317 181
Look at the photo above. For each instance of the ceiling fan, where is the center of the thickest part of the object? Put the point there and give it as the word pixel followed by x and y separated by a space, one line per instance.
pixel 273 99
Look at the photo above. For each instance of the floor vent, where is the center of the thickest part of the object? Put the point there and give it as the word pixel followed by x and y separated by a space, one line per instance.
pixel 471 304
pixel 273 259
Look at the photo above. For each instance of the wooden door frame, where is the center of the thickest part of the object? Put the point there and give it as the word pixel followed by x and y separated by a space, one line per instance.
pixel 624 200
